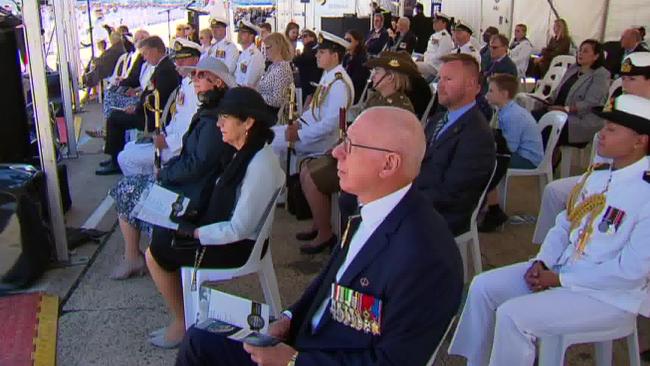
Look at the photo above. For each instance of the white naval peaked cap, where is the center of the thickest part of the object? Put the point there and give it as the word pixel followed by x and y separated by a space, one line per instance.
pixel 462 26
pixel 249 26
pixel 326 40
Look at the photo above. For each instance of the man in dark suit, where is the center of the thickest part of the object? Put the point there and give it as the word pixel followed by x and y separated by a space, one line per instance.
pixel 500 62
pixel 378 36
pixel 164 79
pixel 422 27
pixel 404 39
pixel 460 152
pixel 398 255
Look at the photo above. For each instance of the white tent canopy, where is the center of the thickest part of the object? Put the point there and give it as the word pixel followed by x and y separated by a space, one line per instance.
pixel 603 20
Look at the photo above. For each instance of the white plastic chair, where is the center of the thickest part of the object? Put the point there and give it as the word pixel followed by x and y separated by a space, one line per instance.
pixel 434 89
pixel 255 264
pixel 463 240
pixel 442 340
pixel 563 61
pixel 552 348
pixel 543 90
pixel 118 70
pixel 128 64
pixel 556 120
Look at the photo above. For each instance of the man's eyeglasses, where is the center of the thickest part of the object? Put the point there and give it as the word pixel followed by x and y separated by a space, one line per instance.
pixel 348 144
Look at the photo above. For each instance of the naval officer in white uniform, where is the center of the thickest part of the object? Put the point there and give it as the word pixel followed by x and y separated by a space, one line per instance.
pixel 440 44
pixel 317 130
pixel 139 158
pixel 250 64
pixel 592 269
pixel 462 36
pixel 521 49
pixel 224 50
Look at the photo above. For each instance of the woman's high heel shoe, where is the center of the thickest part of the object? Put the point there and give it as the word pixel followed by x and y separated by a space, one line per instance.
pixel 314 249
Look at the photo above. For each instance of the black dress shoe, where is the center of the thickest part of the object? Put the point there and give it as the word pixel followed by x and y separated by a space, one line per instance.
pixel 106 162
pixel 307 235
pixel 109 169
pixel 314 249
pixel 494 218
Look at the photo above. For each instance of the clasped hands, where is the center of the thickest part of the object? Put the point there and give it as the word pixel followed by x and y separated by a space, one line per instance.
pixel 291 133
pixel 539 278
pixel 278 355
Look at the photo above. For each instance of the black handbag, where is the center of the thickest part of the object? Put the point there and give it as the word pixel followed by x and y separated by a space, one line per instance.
pixel 296 201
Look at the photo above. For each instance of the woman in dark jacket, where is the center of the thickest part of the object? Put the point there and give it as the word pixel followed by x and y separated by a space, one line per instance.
pixel 306 64
pixel 224 235
pixel 190 173
pixel 354 61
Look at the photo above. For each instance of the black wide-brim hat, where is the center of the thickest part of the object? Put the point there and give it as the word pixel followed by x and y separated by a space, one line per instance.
pixel 245 101
pixel 627 110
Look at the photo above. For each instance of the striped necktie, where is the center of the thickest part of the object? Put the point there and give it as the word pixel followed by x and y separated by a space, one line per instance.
pixel 441 123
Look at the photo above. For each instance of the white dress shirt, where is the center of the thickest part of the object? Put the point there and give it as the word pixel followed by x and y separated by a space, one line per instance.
pixel 263 178
pixel 187 103
pixel 250 66
pixel 520 55
pixel 470 49
pixel 372 215
pixel 226 52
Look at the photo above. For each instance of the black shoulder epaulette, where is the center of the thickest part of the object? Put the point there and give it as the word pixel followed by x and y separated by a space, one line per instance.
pixel 338 75
pixel 600 166
pixel 646 176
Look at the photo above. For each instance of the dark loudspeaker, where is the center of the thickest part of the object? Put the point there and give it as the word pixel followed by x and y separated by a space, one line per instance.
pixel 13 124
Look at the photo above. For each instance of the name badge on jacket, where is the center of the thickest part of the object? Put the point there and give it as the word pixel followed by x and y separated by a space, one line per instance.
pixel 243 67
pixel 402 45
pixel 220 54
pixel 355 309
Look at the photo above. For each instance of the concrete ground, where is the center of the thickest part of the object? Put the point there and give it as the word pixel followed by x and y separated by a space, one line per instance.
pixel 105 322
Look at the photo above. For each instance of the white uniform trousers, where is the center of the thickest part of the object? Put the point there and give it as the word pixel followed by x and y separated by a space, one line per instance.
pixel 554 199
pixel 502 318
pixel 136 159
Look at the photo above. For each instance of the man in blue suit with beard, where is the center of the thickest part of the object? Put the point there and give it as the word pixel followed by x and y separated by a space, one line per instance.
pixel 389 290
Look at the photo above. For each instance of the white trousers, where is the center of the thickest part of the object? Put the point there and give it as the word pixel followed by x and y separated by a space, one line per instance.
pixel 136 159
pixel 554 199
pixel 502 318
pixel 426 69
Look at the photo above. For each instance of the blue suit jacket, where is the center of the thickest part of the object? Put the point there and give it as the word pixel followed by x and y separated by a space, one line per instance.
pixel 456 167
pixel 412 264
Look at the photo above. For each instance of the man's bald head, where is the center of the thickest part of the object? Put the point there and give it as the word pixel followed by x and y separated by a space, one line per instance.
pixel 630 38
pixel 386 151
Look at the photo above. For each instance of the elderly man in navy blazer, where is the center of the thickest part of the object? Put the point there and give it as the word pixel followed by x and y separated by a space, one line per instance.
pixel 398 259
pixel 460 151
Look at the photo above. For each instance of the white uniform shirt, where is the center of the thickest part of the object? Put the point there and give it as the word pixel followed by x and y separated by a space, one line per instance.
pixel 253 199
pixel 226 52
pixel 372 215
pixel 440 44
pixel 469 49
pixel 520 55
pixel 615 266
pixel 319 126
pixel 250 67
pixel 187 103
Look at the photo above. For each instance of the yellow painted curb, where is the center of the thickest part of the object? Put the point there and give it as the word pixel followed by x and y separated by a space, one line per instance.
pixel 46 332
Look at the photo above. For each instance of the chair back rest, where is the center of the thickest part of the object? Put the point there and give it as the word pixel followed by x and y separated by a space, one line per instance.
pixel 120 65
pixel 129 64
pixel 482 197
pixel 427 111
pixel 551 80
pixel 264 230
pixel 444 336
pixel 618 83
pixel 555 120
pixel 563 61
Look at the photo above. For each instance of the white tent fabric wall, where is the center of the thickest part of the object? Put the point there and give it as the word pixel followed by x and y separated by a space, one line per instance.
pixel 624 13
pixel 585 17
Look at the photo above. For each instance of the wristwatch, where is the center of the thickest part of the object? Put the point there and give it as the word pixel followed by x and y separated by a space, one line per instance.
pixel 292 361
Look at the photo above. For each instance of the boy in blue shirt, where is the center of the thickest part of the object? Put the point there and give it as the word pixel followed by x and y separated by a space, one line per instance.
pixel 522 136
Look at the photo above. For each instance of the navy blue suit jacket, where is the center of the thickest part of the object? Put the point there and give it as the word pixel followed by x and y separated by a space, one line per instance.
pixel 412 264
pixel 456 167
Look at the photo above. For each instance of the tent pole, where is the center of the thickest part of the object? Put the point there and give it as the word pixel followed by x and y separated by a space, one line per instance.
pixel 31 21
pixel 64 75
pixel 73 50
pixel 603 31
